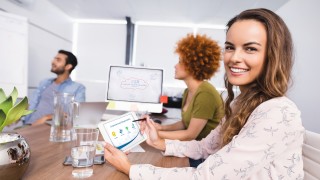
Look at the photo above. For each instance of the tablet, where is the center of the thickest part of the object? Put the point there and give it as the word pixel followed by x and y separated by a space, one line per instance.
pixel 121 132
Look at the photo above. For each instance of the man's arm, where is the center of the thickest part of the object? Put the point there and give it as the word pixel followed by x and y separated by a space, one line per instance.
pixel 43 119
pixel 34 100
pixel 80 94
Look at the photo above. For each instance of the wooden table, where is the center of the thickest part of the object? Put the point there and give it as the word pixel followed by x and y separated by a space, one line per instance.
pixel 47 157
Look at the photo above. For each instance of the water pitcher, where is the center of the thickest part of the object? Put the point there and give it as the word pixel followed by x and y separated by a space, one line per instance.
pixel 65 110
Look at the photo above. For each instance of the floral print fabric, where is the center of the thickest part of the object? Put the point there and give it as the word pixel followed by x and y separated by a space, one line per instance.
pixel 269 146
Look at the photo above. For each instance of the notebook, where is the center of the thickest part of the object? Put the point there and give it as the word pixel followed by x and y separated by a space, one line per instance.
pixel 90 114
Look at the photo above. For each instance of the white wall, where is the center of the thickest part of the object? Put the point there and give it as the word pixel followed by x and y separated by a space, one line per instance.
pixel 98 46
pixel 43 46
pixel 43 14
pixel 155 46
pixel 13 38
pixel 101 45
pixel 49 31
pixel 302 18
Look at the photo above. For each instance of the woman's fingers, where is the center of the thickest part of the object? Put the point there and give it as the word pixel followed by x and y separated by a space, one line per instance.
pixel 117 158
pixel 108 149
pixel 142 126
pixel 151 125
pixel 143 123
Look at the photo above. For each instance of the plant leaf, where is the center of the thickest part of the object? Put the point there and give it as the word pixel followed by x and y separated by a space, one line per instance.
pixel 2 95
pixel 14 95
pixel 26 112
pixel 16 112
pixel 6 105
pixel 2 117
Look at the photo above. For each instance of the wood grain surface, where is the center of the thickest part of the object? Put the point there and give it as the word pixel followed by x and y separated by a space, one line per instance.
pixel 47 158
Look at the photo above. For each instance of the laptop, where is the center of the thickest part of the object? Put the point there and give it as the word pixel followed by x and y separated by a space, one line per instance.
pixel 90 114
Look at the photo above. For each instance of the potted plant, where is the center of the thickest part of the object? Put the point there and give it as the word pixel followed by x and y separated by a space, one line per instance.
pixel 14 150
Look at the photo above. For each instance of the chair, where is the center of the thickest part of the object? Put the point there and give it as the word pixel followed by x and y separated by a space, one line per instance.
pixel 311 156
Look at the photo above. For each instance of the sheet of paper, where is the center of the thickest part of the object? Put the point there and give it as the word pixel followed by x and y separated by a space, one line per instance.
pixel 111 105
pixel 100 148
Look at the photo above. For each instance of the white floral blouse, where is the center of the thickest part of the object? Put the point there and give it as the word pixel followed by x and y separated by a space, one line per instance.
pixel 269 146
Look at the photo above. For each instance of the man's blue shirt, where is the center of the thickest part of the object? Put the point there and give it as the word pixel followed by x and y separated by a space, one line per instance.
pixel 67 86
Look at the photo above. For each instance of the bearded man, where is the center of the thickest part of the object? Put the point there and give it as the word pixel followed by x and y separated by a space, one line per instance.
pixel 42 99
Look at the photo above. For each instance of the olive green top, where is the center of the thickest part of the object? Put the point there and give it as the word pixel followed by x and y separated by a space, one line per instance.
pixel 205 104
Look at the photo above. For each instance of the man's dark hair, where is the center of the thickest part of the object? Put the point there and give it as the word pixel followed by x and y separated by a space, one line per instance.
pixel 71 59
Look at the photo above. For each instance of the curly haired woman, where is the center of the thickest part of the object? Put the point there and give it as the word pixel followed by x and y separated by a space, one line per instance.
pixel 261 135
pixel 202 106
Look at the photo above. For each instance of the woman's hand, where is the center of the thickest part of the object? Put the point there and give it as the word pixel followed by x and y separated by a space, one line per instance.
pixel 117 158
pixel 153 137
pixel 143 124
pixel 158 126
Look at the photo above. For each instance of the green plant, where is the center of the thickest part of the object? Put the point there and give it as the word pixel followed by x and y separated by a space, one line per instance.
pixel 10 111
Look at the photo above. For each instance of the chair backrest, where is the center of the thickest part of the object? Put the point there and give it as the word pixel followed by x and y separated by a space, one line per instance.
pixel 311 156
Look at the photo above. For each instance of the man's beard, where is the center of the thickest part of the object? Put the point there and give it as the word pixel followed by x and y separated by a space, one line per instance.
pixel 58 71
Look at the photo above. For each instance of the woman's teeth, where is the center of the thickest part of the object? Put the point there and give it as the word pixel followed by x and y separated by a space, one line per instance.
pixel 237 70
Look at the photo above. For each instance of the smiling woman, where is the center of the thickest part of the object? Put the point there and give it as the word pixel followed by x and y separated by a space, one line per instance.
pixel 261 135
pixel 244 57
pixel 258 59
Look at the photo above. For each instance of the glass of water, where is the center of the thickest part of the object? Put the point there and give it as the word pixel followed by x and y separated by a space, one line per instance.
pixel 82 161
pixel 83 151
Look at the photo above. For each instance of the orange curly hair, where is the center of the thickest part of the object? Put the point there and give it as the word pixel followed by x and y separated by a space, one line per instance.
pixel 200 55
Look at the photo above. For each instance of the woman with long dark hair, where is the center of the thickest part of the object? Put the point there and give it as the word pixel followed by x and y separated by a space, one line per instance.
pixel 261 135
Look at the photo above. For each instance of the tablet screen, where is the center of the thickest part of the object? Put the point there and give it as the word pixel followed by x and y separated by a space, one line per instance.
pixel 122 132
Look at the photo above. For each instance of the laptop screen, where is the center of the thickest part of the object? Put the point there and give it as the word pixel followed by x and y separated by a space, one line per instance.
pixel 134 84
pixel 90 114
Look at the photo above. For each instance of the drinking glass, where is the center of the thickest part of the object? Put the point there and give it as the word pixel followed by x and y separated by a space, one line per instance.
pixel 83 151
